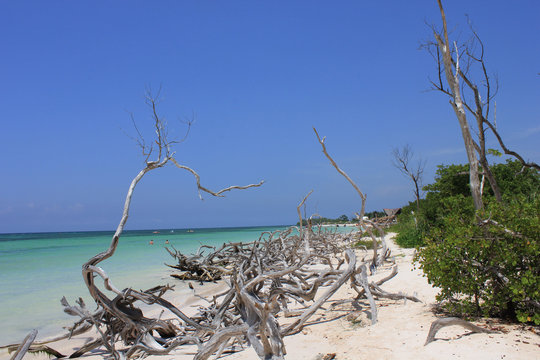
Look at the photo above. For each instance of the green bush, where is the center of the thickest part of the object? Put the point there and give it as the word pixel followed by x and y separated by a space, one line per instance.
pixel 491 269
pixel 410 237
pixel 485 263
pixel 367 243
pixel 410 229
pixel 375 231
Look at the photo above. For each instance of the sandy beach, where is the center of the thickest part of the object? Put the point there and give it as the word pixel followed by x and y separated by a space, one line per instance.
pixel 399 334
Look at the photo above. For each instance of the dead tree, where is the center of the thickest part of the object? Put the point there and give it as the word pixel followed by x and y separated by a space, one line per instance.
pixel 459 65
pixel 120 318
pixel 365 225
pixel 448 61
pixel 402 161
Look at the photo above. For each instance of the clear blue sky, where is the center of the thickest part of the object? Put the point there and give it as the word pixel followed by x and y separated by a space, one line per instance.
pixel 258 75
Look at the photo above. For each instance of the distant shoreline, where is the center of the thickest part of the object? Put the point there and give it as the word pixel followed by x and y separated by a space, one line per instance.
pixel 164 230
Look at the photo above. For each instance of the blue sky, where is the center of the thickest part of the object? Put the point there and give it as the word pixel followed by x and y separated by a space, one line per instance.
pixel 257 75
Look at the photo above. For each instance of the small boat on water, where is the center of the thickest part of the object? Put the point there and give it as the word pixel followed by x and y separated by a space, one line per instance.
pixel 155 232
pixel 190 230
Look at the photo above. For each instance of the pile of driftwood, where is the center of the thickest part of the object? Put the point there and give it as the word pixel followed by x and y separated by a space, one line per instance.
pixel 222 262
pixel 275 286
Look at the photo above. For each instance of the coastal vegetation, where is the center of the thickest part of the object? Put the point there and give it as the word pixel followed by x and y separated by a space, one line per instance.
pixel 485 262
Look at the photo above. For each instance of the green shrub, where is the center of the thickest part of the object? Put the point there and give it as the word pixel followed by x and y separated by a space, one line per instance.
pixel 485 263
pixel 410 229
pixel 375 231
pixel 410 237
pixel 491 269
pixel 367 243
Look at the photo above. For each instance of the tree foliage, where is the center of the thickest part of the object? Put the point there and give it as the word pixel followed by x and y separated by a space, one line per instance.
pixel 375 214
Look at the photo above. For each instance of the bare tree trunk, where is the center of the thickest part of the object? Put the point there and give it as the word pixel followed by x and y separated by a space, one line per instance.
pixel 480 120
pixel 417 195
pixel 491 178
pixel 459 109
pixel 364 224
pixel 473 54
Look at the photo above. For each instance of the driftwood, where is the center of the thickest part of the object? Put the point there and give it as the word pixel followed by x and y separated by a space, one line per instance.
pixel 24 346
pixel 29 345
pixel 363 224
pixel 265 279
pixel 39 346
pixel 205 268
pixel 440 323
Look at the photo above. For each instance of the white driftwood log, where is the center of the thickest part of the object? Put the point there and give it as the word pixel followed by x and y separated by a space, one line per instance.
pixel 25 345
pixel 440 323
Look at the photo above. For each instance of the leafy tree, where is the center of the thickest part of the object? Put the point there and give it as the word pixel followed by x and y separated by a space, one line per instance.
pixel 450 180
pixel 514 179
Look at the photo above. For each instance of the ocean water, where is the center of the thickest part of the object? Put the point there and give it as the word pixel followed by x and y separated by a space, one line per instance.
pixel 37 269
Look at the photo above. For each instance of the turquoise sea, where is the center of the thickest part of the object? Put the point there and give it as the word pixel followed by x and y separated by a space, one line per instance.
pixel 37 269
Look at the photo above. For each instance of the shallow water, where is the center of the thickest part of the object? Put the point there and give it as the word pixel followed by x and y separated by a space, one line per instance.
pixel 37 269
